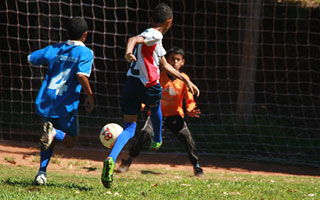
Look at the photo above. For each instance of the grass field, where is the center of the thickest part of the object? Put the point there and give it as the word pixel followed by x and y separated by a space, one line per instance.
pixel 16 183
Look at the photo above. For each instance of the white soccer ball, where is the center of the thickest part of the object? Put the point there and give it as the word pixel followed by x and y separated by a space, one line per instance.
pixel 109 134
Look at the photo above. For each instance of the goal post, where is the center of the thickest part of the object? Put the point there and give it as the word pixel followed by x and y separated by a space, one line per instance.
pixel 280 97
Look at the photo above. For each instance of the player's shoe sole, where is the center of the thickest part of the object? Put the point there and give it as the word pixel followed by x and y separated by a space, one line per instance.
pixel 47 136
pixel 107 172
pixel 124 166
pixel 40 179
pixel 155 146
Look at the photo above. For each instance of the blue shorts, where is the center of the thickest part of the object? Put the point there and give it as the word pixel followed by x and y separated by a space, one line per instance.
pixel 134 93
pixel 69 125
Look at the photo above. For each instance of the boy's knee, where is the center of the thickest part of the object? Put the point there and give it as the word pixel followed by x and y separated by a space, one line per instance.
pixel 184 133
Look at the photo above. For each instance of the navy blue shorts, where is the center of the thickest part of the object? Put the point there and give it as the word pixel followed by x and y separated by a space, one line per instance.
pixel 134 93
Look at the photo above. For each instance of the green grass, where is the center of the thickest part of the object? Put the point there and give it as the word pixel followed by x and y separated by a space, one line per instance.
pixel 16 183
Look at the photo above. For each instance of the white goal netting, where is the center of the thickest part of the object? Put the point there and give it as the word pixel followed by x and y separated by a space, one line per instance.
pixel 256 64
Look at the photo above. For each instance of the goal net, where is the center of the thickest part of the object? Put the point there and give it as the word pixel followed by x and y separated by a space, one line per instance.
pixel 256 64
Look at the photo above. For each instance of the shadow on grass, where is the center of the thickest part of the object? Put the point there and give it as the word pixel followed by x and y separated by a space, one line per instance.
pixel 29 184
pixel 150 172
pixel 90 169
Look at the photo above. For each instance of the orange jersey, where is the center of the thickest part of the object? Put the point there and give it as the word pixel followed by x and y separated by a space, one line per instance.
pixel 173 93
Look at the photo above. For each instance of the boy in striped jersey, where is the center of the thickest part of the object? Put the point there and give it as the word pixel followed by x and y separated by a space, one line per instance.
pixel 145 54
pixel 173 95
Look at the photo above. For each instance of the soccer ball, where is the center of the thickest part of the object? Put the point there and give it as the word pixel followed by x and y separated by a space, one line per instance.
pixel 109 134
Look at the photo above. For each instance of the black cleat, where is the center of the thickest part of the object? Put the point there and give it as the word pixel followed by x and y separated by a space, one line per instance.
pixel 198 171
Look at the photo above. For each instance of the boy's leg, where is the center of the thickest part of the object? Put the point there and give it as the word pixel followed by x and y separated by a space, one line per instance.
pixel 177 125
pixel 53 136
pixel 144 136
pixel 152 99
pixel 45 156
pixel 46 151
pixel 131 107
pixel 127 133
pixel 123 138
pixel 156 119
pixel 184 135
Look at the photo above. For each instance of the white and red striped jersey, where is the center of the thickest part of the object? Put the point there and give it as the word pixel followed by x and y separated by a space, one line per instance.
pixel 148 55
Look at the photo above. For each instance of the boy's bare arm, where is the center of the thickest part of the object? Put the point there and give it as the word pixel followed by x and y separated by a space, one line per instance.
pixel 173 72
pixel 129 56
pixel 89 102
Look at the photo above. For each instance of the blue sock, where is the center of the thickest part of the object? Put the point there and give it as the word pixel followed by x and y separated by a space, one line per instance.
pixel 123 138
pixel 156 119
pixel 45 158
pixel 59 135
pixel 196 166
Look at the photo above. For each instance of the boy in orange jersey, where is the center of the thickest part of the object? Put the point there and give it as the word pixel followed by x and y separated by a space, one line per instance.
pixel 174 92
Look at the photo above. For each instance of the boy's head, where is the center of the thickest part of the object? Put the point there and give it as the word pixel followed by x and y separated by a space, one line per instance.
pixel 176 57
pixel 163 15
pixel 77 27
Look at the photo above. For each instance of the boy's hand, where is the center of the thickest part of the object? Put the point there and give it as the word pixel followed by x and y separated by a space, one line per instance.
pixel 193 88
pixel 130 57
pixel 194 113
pixel 89 104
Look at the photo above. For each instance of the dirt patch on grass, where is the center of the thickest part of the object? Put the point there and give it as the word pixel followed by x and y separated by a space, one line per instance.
pixel 90 160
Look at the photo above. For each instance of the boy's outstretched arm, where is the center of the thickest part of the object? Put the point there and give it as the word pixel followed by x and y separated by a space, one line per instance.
pixel 89 102
pixel 191 106
pixel 173 72
pixel 129 56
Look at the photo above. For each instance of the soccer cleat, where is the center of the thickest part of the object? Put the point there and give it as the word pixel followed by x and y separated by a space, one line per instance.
pixel 47 136
pixel 107 172
pixel 155 146
pixel 40 179
pixel 124 166
pixel 198 171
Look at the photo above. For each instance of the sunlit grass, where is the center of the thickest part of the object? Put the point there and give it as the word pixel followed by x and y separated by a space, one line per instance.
pixel 158 183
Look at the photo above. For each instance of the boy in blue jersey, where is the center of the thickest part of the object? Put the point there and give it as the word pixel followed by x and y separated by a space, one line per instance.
pixel 146 54
pixel 69 66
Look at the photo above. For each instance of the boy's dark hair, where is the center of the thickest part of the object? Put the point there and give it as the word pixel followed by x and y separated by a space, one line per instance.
pixel 161 13
pixel 176 50
pixel 76 27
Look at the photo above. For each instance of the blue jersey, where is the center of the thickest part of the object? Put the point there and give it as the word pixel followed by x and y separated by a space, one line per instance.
pixel 60 91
